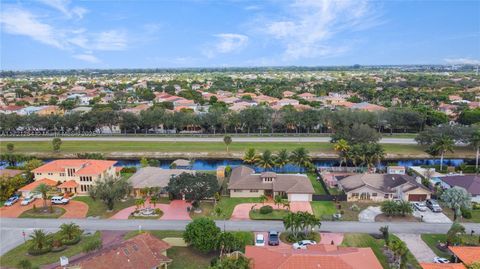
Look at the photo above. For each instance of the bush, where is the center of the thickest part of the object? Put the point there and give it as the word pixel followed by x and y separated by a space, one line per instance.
pixel 58 249
pixel 92 244
pixel 355 207
pixel 476 206
pixel 35 252
pixel 466 213
pixel 24 264
pixel 129 169
pixel 158 211
pixel 73 241
pixel 266 209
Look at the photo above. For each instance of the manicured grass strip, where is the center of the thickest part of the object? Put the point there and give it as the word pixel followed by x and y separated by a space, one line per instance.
pixel 11 258
pixel 317 186
pixel 277 214
pixel 188 258
pixel 98 209
pixel 321 208
pixel 58 212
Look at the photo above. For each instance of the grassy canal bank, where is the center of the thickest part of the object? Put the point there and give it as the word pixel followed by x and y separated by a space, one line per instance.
pixel 138 149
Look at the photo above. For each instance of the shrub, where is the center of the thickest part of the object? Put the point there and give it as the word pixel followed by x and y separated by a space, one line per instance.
pixel 355 207
pixel 266 209
pixel 92 244
pixel 129 169
pixel 476 206
pixel 158 211
pixel 466 213
pixel 74 241
pixel 35 252
pixel 24 264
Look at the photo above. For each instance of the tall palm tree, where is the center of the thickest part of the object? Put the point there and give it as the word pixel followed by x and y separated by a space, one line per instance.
pixel 266 160
pixel 282 158
pixel 227 140
pixel 475 142
pixel 39 239
pixel 300 158
pixel 43 189
pixel 249 156
pixel 442 145
pixel 69 231
pixel 342 147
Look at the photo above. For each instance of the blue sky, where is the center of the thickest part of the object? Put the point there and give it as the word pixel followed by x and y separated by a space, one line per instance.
pixel 61 34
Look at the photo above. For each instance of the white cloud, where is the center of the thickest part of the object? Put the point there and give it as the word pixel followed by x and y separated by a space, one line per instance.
pixel 64 7
pixel 110 40
pixel 226 43
pixel 21 22
pixel 462 61
pixel 309 27
pixel 87 58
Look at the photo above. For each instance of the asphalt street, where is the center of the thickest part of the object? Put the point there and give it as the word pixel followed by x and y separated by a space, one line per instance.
pixel 403 141
pixel 11 228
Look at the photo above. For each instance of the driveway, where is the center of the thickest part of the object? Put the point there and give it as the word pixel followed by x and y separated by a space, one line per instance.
pixel 281 244
pixel 242 211
pixel 176 210
pixel 73 210
pixel 419 249
pixel 431 217
pixel 369 214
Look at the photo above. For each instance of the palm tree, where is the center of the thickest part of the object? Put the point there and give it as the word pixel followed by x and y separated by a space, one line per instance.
pixel 154 200
pixel 442 145
pixel 249 157
pixel 227 140
pixel 300 158
pixel 475 142
pixel 282 158
pixel 286 205
pixel 43 189
pixel 265 160
pixel 69 231
pixel 263 198
pixel 39 239
pixel 139 202
pixel 277 200
pixel 342 147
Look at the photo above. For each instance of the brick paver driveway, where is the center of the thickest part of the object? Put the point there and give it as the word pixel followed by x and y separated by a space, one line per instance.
pixel 73 210
pixel 176 210
pixel 241 211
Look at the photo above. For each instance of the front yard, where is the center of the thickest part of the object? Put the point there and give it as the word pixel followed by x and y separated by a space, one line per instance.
pixel 226 205
pixel 432 240
pixel 475 215
pixel 323 209
pixel 98 209
pixel 276 214
pixel 350 210
pixel 42 213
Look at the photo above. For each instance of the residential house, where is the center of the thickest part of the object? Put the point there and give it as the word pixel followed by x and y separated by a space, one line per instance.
pixel 314 257
pixel 143 251
pixel 308 96
pixel 288 94
pixel 448 109
pixel 381 187
pixel 154 177
pixel 469 182
pixel 50 110
pixel 286 102
pixel 10 109
pixel 368 107
pixel 76 175
pixel 244 182
pixel 442 266
pixel 466 254
pixel 29 189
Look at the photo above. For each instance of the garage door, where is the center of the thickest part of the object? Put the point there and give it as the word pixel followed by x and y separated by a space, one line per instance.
pixel 299 197
pixel 417 197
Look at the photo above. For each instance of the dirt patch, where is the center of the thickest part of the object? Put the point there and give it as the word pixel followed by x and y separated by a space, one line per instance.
pixel 383 218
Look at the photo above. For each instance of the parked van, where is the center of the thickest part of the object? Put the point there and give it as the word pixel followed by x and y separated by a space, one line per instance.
pixel 59 200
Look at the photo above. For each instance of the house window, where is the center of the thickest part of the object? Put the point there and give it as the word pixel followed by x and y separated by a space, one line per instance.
pixel 253 190
pixel 39 174
pixel 50 174
pixel 62 174
pixel 237 190
pixel 374 194
pixel 386 196
pixel 355 195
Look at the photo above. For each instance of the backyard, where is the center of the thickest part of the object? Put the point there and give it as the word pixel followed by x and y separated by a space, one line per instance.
pixel 317 186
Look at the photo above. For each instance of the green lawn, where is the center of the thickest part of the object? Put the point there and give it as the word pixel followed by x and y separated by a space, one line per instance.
pixel 475 215
pixel 98 208
pixel 317 186
pixel 58 212
pixel 365 240
pixel 433 239
pixel 351 215
pixel 188 258
pixel 277 214
pixel 11 258
pixel 217 149
pixel 321 208
pixel 227 204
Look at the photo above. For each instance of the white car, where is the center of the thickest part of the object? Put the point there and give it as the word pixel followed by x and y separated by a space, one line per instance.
pixel 12 200
pixel 59 200
pixel 419 206
pixel 28 200
pixel 303 244
pixel 260 240
pixel 440 260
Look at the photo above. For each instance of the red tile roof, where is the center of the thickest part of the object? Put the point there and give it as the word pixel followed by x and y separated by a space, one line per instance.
pixel 85 167
pixel 10 172
pixel 467 255
pixel 442 266
pixel 68 184
pixel 141 251
pixel 32 186
pixel 318 256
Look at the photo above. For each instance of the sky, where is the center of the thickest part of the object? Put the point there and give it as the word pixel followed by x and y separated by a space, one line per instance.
pixel 67 34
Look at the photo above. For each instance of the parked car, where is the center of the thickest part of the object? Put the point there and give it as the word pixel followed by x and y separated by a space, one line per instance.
pixel 28 200
pixel 440 260
pixel 433 205
pixel 259 240
pixel 303 244
pixel 419 206
pixel 59 200
pixel 273 238
pixel 12 200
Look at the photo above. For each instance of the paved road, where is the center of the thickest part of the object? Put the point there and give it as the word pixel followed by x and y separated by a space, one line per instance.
pixel 203 139
pixel 11 228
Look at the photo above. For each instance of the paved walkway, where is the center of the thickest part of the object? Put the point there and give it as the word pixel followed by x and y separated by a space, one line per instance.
pixel 176 210
pixel 73 210
pixel 419 249
pixel 242 211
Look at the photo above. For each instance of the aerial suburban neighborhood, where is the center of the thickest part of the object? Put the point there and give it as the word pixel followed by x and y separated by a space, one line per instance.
pixel 302 134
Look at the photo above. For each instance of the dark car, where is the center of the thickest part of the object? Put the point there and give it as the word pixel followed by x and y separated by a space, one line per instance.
pixel 433 205
pixel 273 238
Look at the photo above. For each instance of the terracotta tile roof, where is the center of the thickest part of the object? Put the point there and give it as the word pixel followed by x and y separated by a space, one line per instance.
pixel 68 184
pixel 467 255
pixel 118 168
pixel 85 167
pixel 442 266
pixel 32 186
pixel 315 257
pixel 10 172
pixel 142 251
